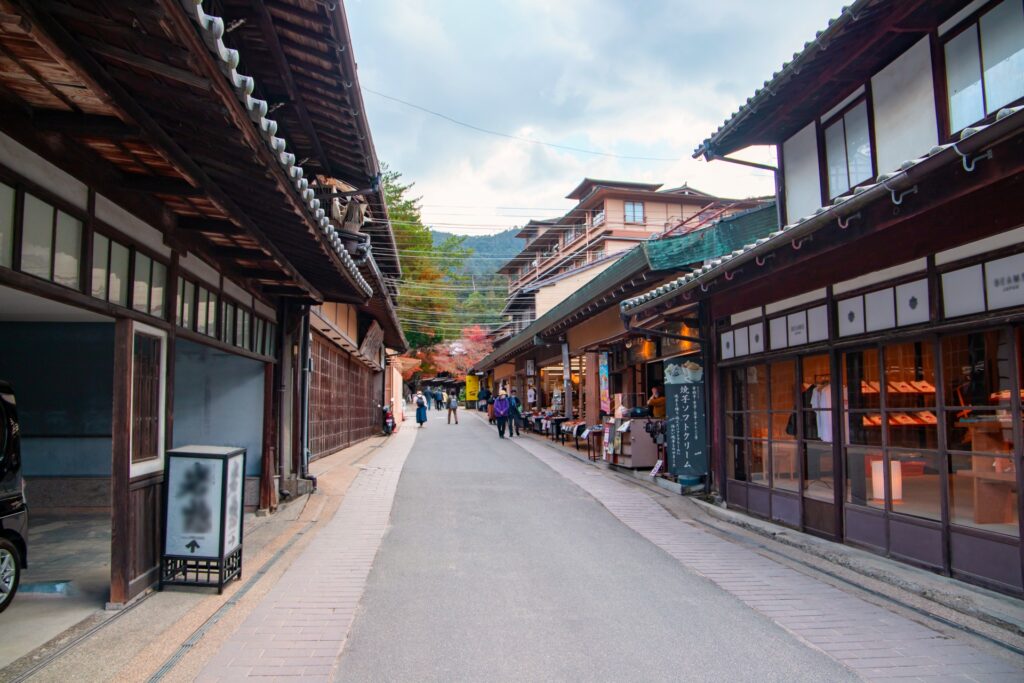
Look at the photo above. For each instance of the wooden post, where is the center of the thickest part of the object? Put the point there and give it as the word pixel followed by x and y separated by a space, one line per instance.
pixel 120 511
pixel 268 464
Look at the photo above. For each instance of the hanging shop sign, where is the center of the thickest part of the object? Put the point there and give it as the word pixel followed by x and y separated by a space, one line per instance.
pixel 686 418
pixel 605 385
pixel 203 497
pixel 472 388
pixel 531 367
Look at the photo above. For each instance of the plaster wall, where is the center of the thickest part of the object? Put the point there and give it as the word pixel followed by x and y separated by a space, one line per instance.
pixel 904 103
pixel 218 401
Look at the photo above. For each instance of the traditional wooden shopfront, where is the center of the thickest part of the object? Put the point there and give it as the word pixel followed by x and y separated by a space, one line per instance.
pixel 160 246
pixel 867 366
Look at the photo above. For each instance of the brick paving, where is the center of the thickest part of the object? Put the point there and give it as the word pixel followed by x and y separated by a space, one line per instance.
pixel 299 628
pixel 878 645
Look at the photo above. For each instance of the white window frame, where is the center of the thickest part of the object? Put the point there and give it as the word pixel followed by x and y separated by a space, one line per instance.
pixel 138 469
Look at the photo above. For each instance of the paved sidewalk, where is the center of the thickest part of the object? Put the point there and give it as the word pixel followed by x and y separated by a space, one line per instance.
pixel 300 627
pixel 877 644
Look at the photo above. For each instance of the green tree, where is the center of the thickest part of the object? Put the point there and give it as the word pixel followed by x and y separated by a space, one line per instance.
pixel 428 301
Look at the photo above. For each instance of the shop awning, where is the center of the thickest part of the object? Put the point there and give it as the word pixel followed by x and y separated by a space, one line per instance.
pixel 635 268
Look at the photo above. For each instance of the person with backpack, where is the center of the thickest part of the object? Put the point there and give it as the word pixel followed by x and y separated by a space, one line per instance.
pixel 421 408
pixel 515 413
pixel 453 407
pixel 501 408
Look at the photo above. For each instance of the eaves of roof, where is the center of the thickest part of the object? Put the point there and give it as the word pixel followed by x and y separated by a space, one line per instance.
pixel 211 29
pixel 972 140
pixel 865 36
pixel 631 264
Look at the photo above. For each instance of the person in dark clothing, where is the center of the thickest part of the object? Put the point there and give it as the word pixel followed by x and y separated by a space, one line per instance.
pixel 490 409
pixel 501 411
pixel 515 413
pixel 421 408
pixel 482 397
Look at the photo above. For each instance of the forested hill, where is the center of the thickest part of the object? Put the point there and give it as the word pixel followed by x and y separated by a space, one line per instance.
pixel 502 245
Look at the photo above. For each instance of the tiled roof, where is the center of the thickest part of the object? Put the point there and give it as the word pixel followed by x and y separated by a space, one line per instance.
pixel 212 31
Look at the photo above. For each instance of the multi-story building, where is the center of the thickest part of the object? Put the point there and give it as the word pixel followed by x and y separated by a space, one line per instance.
pixel 562 254
pixel 865 379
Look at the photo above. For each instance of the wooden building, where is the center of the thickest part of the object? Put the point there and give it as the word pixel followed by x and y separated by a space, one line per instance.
pixel 194 248
pixel 865 360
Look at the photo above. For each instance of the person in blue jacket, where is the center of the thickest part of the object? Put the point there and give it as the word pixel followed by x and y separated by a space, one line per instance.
pixel 421 408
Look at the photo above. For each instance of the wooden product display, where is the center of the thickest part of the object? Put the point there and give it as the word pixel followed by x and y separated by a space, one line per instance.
pixel 995 480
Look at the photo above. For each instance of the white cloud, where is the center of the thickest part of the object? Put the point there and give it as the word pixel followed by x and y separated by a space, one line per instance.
pixel 651 79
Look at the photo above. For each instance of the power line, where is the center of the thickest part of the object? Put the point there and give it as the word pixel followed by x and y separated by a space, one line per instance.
pixel 516 137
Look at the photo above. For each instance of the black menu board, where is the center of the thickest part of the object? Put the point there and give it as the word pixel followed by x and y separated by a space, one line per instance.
pixel 686 417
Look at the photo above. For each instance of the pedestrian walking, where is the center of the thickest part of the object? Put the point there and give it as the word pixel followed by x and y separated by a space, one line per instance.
pixel 501 409
pixel 490 409
pixel 515 413
pixel 421 408
pixel 482 397
pixel 453 408
pixel 438 402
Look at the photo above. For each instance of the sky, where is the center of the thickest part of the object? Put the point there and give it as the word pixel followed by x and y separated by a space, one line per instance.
pixel 640 78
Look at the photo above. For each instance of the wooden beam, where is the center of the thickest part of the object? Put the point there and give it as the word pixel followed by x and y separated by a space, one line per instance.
pixel 56 40
pixel 263 274
pixel 189 224
pixel 273 42
pixel 153 66
pixel 91 125
pixel 152 184
pixel 238 252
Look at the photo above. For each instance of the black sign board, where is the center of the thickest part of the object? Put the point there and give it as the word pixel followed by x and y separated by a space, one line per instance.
pixel 686 418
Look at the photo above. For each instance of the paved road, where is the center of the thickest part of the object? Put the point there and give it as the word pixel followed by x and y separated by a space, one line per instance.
pixel 497 568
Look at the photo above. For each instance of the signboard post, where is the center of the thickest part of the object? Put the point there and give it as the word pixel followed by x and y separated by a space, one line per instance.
pixel 472 390
pixel 686 418
pixel 203 493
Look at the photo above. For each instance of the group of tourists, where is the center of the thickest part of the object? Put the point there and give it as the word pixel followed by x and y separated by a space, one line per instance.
pixel 506 411
pixel 441 400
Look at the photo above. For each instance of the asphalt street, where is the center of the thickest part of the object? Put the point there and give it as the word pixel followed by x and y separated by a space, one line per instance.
pixel 496 568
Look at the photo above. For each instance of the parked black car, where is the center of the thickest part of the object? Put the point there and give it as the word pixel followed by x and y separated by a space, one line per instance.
pixel 13 510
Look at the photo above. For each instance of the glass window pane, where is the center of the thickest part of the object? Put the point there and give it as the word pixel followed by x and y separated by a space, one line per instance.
pixel 783 386
pixel 100 256
pixel 983 493
pixel 118 292
pixel 817 398
pixel 864 481
pixel 819 479
pixel 188 299
pixel 736 461
pixel 756 377
pixel 861 375
pixel 835 155
pixel 211 324
pixel 785 473
pixel 140 291
pixel 758 462
pixel 202 305
pixel 963 80
pixel 69 251
pixel 914 484
pixel 1002 51
pixel 228 323
pixel 37 237
pixel 909 378
pixel 156 294
pixel 7 196
pixel 858 144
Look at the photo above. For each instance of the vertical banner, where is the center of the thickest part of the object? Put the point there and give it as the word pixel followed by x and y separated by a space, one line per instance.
pixel 606 396
pixel 686 418
pixel 472 388
pixel 567 379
